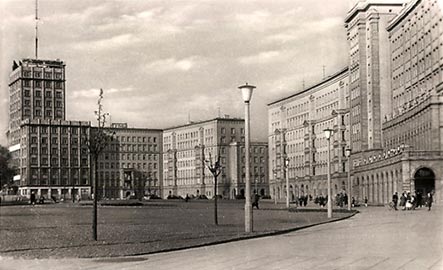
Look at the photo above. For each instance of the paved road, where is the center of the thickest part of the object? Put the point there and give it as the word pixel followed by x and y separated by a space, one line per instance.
pixel 374 239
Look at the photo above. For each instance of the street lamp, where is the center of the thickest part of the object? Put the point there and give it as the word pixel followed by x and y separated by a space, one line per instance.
pixel 287 181
pixel 328 134
pixel 348 155
pixel 246 91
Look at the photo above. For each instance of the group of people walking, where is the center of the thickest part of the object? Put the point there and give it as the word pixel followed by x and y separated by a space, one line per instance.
pixel 410 202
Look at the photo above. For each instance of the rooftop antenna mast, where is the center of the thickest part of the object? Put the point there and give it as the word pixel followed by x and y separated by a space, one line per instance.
pixel 36 29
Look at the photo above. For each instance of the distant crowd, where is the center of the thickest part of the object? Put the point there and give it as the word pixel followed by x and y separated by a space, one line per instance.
pixel 408 201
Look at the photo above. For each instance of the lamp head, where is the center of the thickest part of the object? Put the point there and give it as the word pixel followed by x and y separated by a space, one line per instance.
pixel 328 133
pixel 348 151
pixel 246 92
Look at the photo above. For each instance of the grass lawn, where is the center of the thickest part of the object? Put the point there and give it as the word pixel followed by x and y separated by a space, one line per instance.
pixel 65 230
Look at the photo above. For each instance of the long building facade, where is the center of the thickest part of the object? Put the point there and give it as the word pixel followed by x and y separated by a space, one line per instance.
pixel 297 143
pixel 187 147
pixel 131 164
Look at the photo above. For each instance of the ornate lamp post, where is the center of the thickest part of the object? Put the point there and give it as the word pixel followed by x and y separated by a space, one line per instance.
pixel 328 134
pixel 246 91
pixel 287 181
pixel 348 155
pixel 215 169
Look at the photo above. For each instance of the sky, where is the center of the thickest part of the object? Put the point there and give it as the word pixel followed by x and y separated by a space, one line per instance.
pixel 161 63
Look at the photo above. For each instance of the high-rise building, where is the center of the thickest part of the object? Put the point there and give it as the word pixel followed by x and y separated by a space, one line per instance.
pixel 49 153
pixel 296 133
pixel 187 147
pixel 36 91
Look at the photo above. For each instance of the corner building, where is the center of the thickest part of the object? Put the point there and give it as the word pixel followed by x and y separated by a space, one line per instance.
pixel 185 149
pixel 296 132
pixel 411 156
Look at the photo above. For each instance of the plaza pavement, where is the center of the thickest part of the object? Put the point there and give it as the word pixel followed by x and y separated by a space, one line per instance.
pixel 374 239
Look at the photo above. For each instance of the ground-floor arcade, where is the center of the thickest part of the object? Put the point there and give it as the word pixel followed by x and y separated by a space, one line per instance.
pixel 409 171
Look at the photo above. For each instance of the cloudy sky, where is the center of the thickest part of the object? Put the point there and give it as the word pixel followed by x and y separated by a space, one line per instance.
pixel 160 61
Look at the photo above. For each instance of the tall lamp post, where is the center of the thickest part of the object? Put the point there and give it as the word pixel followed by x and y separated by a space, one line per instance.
pixel 328 134
pixel 215 169
pixel 287 181
pixel 348 155
pixel 246 91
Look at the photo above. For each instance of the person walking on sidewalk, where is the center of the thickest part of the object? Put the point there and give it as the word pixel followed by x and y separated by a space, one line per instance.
pixel 255 200
pixel 429 201
pixel 395 200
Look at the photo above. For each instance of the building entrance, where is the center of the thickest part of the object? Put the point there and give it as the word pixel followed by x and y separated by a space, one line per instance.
pixel 424 180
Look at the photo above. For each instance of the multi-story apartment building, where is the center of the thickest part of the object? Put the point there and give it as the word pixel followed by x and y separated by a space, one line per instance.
pixel 185 149
pixel 412 152
pixel 296 134
pixel 54 158
pixel 131 165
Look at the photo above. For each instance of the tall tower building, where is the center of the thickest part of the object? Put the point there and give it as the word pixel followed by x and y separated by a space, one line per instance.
pixel 369 70
pixel 36 91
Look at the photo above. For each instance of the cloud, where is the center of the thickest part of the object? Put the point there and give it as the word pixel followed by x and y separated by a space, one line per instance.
pixel 94 92
pixel 116 42
pixel 261 58
pixel 173 65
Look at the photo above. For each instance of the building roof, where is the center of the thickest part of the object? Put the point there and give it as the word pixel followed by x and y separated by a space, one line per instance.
pixel 363 6
pixel 206 121
pixel 38 63
pixel 324 81
pixel 403 13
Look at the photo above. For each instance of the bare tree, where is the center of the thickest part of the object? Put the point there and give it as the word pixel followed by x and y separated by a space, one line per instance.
pixel 215 169
pixel 98 141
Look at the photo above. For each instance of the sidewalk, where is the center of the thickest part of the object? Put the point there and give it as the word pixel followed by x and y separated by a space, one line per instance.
pixel 374 239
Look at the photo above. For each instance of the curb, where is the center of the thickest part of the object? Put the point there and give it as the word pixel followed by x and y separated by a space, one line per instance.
pixel 247 237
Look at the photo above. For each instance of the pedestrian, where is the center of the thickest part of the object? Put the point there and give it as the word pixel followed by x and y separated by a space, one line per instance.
pixel 32 198
pixel 255 200
pixel 366 201
pixel 187 197
pixel 429 201
pixel 419 199
pixel 395 200
pixel 403 201
pixel 352 202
